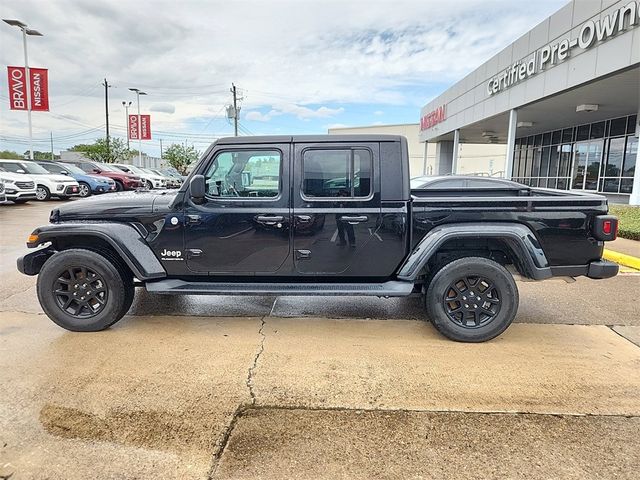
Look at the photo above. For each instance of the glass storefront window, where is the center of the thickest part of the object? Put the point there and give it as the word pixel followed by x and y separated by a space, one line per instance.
pixel 597 130
pixel 630 157
pixel 582 133
pixel 599 156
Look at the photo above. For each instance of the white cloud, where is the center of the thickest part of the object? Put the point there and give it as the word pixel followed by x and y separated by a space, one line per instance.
pixel 286 57
pixel 300 112
pixel 378 112
pixel 163 108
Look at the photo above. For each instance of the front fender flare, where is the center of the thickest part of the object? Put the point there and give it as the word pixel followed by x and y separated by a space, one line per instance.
pixel 518 237
pixel 125 240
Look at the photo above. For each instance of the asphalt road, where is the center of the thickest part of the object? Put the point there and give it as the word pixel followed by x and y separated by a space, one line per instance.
pixel 288 387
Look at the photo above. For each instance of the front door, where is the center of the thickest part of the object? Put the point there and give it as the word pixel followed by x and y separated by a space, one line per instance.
pixel 242 228
pixel 336 208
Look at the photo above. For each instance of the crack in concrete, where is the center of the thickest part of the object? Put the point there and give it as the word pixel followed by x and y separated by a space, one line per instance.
pixel 243 407
pixel 252 368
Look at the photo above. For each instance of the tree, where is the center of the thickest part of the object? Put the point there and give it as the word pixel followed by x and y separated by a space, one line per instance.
pixel 10 155
pixel 38 155
pixel 180 156
pixel 98 152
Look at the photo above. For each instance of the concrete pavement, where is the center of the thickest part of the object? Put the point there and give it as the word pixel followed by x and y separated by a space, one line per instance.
pixel 264 387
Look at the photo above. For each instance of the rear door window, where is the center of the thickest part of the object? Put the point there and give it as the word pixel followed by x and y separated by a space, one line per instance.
pixel 336 173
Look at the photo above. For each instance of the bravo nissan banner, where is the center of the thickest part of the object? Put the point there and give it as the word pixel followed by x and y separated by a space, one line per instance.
pixel 39 89
pixel 143 127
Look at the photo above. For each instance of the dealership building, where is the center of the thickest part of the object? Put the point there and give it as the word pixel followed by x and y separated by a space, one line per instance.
pixel 563 98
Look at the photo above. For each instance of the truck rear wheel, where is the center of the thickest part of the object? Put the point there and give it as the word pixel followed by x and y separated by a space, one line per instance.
pixel 83 291
pixel 472 299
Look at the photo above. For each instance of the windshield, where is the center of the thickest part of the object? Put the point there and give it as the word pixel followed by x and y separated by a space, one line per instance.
pixel 135 169
pixel 108 168
pixel 74 169
pixel 418 182
pixel 34 168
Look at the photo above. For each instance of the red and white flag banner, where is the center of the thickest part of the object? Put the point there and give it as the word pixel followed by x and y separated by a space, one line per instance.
pixel 39 89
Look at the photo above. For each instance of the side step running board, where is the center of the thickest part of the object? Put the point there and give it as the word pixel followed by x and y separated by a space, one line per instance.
pixel 386 289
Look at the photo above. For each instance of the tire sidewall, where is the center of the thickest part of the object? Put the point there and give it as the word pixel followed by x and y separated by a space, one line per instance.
pixel 472 266
pixel 116 296
pixel 119 186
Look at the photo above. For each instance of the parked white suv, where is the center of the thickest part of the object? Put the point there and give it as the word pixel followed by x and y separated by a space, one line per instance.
pixel 150 179
pixel 18 188
pixel 47 184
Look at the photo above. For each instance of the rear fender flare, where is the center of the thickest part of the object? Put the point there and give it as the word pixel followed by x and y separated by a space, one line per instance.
pixel 518 237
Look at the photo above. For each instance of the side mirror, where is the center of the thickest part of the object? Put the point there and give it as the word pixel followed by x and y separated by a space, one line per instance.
pixel 64 172
pixel 97 170
pixel 197 188
pixel 20 171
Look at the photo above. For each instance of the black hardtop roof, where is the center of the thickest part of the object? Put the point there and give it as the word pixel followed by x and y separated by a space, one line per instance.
pixel 308 139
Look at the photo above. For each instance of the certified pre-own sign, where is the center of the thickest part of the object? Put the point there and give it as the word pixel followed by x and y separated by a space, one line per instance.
pixel 39 88
pixel 141 127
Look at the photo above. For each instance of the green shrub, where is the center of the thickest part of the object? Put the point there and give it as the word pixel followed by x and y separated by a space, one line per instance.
pixel 629 220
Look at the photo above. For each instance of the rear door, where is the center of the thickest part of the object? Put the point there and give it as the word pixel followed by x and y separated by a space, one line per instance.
pixel 243 225
pixel 336 208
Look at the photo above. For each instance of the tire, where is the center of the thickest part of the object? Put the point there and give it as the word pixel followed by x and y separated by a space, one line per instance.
pixel 119 186
pixel 457 314
pixel 90 305
pixel 149 185
pixel 84 190
pixel 42 193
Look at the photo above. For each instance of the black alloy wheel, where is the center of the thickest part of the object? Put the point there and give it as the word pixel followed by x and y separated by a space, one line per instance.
pixel 471 302
pixel 471 299
pixel 80 292
pixel 85 291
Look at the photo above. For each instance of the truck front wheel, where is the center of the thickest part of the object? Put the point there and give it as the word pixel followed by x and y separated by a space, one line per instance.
pixel 83 291
pixel 472 299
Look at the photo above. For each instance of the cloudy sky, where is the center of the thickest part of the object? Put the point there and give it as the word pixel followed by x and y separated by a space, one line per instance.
pixel 300 66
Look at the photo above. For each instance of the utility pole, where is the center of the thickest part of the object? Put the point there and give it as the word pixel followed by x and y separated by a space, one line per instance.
pixel 160 150
pixel 52 146
pixel 235 109
pixel 106 112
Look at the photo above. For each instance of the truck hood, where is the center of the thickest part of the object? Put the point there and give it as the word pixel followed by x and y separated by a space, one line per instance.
pixel 123 206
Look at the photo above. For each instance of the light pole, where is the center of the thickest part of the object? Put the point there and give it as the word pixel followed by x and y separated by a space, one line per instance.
pixel 138 93
pixel 26 31
pixel 126 106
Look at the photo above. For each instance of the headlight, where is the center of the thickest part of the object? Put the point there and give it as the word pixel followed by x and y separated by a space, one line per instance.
pixel 59 187
pixel 6 180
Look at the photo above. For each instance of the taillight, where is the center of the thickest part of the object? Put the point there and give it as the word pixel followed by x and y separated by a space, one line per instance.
pixel 605 228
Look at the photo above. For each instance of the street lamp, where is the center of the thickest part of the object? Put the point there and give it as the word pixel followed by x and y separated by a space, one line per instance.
pixel 138 93
pixel 126 123
pixel 26 31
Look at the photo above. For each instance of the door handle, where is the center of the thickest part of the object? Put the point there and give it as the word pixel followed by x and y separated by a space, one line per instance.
pixel 354 219
pixel 269 218
pixel 194 219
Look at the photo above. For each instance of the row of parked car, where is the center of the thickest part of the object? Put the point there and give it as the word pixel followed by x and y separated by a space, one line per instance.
pixel 24 180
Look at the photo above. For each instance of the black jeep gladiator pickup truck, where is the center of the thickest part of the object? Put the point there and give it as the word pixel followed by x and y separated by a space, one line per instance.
pixel 318 215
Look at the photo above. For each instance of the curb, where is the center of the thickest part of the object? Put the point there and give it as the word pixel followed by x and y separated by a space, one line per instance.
pixel 622 259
